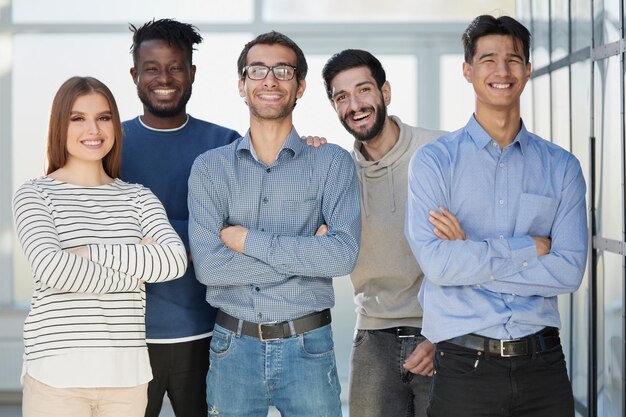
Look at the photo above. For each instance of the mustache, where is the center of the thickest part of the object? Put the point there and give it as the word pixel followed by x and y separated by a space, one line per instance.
pixel 352 113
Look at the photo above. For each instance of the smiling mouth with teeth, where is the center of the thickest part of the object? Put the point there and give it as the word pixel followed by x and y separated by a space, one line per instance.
pixel 361 114
pixel 501 86
pixel 164 92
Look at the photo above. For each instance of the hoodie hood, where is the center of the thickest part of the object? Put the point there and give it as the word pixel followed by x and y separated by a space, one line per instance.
pixel 369 172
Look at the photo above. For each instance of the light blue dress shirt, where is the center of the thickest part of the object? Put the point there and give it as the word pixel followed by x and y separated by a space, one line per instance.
pixel 285 271
pixel 493 283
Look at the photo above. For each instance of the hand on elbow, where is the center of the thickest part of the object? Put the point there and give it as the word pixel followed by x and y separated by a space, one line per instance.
pixel 446 225
pixel 543 245
pixel 234 238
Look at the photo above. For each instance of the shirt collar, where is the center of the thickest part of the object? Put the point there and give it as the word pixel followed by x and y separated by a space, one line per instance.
pixel 164 130
pixel 293 142
pixel 481 138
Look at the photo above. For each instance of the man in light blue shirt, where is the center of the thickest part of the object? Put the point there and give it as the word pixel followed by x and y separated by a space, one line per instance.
pixel 272 220
pixel 496 218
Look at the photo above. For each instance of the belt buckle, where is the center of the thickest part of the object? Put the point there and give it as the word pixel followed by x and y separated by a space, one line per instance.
pixel 507 355
pixel 402 336
pixel 260 327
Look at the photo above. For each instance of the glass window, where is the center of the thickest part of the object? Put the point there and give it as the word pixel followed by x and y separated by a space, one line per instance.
pixel 606 21
pixel 540 32
pixel 524 8
pixel 527 105
pixel 456 98
pixel 374 10
pixel 608 122
pixel 578 356
pixel 122 11
pixel 541 107
pixel 559 29
pixel 580 105
pixel 610 334
pixel 581 24
pixel 560 108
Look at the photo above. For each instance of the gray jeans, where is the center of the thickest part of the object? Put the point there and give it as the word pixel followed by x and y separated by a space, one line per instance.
pixel 379 385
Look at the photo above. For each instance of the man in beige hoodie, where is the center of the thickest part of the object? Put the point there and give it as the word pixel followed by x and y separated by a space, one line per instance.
pixel 391 364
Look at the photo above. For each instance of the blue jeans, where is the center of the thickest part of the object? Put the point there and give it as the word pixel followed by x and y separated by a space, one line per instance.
pixel 469 384
pixel 379 385
pixel 297 375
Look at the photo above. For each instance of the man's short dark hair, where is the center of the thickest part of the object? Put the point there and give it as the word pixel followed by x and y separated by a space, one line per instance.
pixel 180 35
pixel 352 58
pixel 274 38
pixel 488 25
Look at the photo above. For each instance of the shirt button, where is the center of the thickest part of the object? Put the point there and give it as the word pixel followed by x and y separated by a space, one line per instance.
pixel 257 289
pixel 524 264
pixel 259 315
pixel 491 277
pixel 501 202
pixel 494 144
pixel 501 165
pixel 501 237
pixel 265 199
pixel 268 170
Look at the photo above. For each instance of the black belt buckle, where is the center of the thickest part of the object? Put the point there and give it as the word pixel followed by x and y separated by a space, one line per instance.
pixel 513 347
pixel 400 333
pixel 263 339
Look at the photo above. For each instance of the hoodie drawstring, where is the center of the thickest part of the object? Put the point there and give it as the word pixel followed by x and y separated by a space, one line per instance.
pixel 392 192
pixel 365 205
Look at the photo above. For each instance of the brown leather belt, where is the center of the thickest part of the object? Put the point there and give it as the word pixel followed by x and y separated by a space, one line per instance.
pixel 273 330
pixel 542 341
pixel 403 331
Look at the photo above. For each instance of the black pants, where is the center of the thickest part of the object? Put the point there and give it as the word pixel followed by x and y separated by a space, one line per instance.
pixel 179 369
pixel 468 384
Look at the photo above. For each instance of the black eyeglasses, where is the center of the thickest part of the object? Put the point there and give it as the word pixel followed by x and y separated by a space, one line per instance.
pixel 259 72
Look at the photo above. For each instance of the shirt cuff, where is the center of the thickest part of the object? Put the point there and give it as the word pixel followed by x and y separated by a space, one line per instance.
pixel 258 245
pixel 523 252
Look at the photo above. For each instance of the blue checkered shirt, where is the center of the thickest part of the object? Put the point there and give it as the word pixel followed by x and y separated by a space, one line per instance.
pixel 285 271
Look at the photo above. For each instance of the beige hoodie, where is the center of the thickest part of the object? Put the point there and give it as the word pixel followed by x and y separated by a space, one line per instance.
pixel 387 277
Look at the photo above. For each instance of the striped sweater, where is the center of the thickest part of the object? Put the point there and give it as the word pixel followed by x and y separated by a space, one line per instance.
pixel 93 305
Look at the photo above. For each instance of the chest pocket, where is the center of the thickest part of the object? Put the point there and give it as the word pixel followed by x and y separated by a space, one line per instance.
pixel 535 215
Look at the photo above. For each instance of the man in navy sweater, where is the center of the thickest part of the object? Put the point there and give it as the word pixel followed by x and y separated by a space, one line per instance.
pixel 158 152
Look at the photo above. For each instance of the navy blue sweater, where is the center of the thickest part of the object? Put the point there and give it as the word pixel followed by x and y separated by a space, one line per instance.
pixel 161 160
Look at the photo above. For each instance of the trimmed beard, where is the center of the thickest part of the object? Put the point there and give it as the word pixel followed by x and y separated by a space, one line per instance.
pixel 381 115
pixel 168 111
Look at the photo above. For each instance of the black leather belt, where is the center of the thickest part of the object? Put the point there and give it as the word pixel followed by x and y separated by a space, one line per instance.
pixel 403 331
pixel 542 341
pixel 273 330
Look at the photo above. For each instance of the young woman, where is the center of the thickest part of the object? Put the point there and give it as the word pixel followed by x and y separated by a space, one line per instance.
pixel 92 240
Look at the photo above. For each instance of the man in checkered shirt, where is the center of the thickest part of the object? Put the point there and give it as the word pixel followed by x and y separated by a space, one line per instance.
pixel 272 220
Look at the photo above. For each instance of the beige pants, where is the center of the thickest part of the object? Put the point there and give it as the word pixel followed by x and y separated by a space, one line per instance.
pixel 41 400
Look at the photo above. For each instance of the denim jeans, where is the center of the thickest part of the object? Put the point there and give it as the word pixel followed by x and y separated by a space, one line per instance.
pixel 379 385
pixel 469 384
pixel 297 375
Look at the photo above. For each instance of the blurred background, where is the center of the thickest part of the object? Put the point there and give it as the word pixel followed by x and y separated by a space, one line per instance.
pixel 575 98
